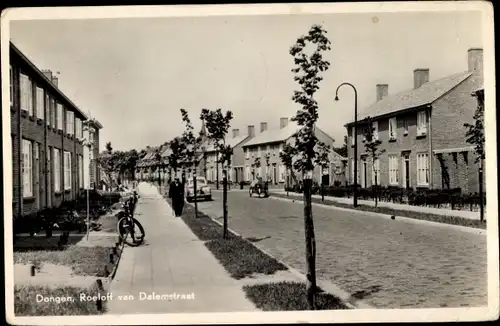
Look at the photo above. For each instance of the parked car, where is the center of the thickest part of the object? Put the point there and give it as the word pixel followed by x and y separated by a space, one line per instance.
pixel 204 192
pixel 258 187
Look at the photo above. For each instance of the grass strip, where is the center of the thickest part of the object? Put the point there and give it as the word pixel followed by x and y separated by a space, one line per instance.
pixel 83 260
pixel 238 256
pixel 63 301
pixel 453 220
pixel 288 296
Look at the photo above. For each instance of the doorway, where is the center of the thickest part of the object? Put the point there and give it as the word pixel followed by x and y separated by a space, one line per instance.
pixel 364 173
pixel 406 171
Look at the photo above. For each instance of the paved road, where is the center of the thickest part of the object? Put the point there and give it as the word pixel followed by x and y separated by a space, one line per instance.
pixel 402 264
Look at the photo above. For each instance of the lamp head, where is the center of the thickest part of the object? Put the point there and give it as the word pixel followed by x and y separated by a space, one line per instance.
pixel 336 98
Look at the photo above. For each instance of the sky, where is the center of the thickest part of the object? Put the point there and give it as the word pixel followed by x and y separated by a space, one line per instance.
pixel 135 74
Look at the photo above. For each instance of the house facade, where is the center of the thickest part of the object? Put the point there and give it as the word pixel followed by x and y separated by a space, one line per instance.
pixel 91 133
pixel 422 132
pixel 47 139
pixel 262 154
pixel 236 167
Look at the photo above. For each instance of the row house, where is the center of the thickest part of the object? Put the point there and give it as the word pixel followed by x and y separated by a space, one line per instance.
pixel 144 166
pixel 236 172
pixel 91 129
pixel 47 139
pixel 422 132
pixel 262 153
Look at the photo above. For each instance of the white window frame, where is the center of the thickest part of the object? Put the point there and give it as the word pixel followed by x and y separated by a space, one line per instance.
pixel 70 120
pixel 405 126
pixel 27 168
pixel 422 118
pixel 376 170
pixel 352 171
pixel 40 100
pixel 281 172
pixel 67 170
pixel 393 170
pixel 26 94
pixel 375 130
pixel 352 135
pixel 80 171
pixel 393 126
pixel 59 116
pixel 422 169
pixel 57 169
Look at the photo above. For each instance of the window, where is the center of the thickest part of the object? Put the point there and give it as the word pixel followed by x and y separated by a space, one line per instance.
pixel 352 136
pixel 53 113
pixel 70 122
pixel 11 86
pixel 375 130
pixel 27 151
pixel 80 171
pixel 57 170
pixel 352 171
pixel 258 152
pixel 393 170
pixel 67 170
pixel 248 173
pixel 405 126
pixel 78 128
pixel 253 152
pixel 26 94
pixel 274 149
pixel 39 103
pixel 392 128
pixel 422 120
pixel 59 117
pixel 247 153
pixel 376 172
pixel 423 169
pixel 47 109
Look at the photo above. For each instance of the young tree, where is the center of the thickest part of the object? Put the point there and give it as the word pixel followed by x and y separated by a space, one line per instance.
pixel 475 136
pixel 176 154
pixel 342 150
pixel 191 151
pixel 372 148
pixel 307 147
pixel 256 165
pixel 109 163
pixel 217 125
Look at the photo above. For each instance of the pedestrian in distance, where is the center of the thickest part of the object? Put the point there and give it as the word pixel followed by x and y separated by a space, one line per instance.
pixel 176 194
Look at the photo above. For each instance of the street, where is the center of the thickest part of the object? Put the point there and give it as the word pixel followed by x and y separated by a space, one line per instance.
pixel 392 264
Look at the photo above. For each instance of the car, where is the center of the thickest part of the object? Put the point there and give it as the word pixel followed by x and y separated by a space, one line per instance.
pixel 204 192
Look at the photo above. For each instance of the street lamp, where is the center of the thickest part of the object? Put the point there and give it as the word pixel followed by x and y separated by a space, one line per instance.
pixel 355 135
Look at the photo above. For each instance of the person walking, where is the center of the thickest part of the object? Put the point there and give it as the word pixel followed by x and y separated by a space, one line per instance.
pixel 176 194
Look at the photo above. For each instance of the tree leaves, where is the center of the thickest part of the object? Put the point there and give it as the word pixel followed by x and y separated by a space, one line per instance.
pixel 475 132
pixel 308 150
pixel 371 143
pixel 192 143
pixel 217 124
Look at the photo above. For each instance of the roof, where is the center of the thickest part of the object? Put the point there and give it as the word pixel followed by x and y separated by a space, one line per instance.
pixel 413 98
pixel 477 90
pixel 48 83
pixel 232 142
pixel 274 135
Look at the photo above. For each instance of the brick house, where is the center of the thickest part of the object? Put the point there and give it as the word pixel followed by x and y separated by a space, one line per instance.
pixel 266 147
pixel 236 142
pixel 422 132
pixel 47 139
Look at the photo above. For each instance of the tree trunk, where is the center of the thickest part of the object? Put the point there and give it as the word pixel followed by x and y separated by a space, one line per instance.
pixel 224 204
pixel 195 192
pixel 217 169
pixel 481 192
pixel 375 190
pixel 310 245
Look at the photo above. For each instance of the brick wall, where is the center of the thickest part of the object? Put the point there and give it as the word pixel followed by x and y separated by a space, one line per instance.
pixel 449 114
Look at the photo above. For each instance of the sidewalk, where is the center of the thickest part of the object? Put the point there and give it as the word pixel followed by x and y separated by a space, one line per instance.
pixel 422 209
pixel 172 260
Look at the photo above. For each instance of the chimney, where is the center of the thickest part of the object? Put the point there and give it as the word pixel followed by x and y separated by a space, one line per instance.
pixel 48 74
pixel 283 122
pixel 475 60
pixel 263 126
pixel 420 77
pixel 54 80
pixel 236 133
pixel 251 131
pixel 382 91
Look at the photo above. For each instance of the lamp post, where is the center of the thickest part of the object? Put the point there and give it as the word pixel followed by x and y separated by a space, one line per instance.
pixel 355 135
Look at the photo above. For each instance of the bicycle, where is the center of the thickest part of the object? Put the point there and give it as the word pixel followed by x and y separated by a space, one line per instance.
pixel 127 226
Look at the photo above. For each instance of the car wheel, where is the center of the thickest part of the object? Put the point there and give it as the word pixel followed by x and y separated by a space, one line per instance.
pixel 189 200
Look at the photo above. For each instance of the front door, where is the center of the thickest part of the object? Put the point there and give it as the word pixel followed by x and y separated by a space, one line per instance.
pixel 275 175
pixel 406 171
pixel 364 174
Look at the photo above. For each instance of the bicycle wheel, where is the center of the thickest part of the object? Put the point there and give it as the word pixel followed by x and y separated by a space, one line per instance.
pixel 132 235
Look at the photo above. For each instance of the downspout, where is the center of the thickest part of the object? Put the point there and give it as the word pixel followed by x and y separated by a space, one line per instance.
pixel 17 106
pixel 46 166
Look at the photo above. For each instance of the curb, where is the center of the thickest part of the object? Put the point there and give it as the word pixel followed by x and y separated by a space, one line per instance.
pixel 396 217
pixel 329 287
pixel 119 248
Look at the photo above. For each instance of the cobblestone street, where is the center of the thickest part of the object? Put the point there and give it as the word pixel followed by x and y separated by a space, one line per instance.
pixel 392 264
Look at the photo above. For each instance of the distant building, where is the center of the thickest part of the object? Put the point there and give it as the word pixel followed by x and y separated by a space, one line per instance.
pixel 266 147
pixel 422 132
pixel 91 133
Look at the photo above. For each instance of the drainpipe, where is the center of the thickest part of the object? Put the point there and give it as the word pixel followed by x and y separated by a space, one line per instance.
pixel 17 106
pixel 431 155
